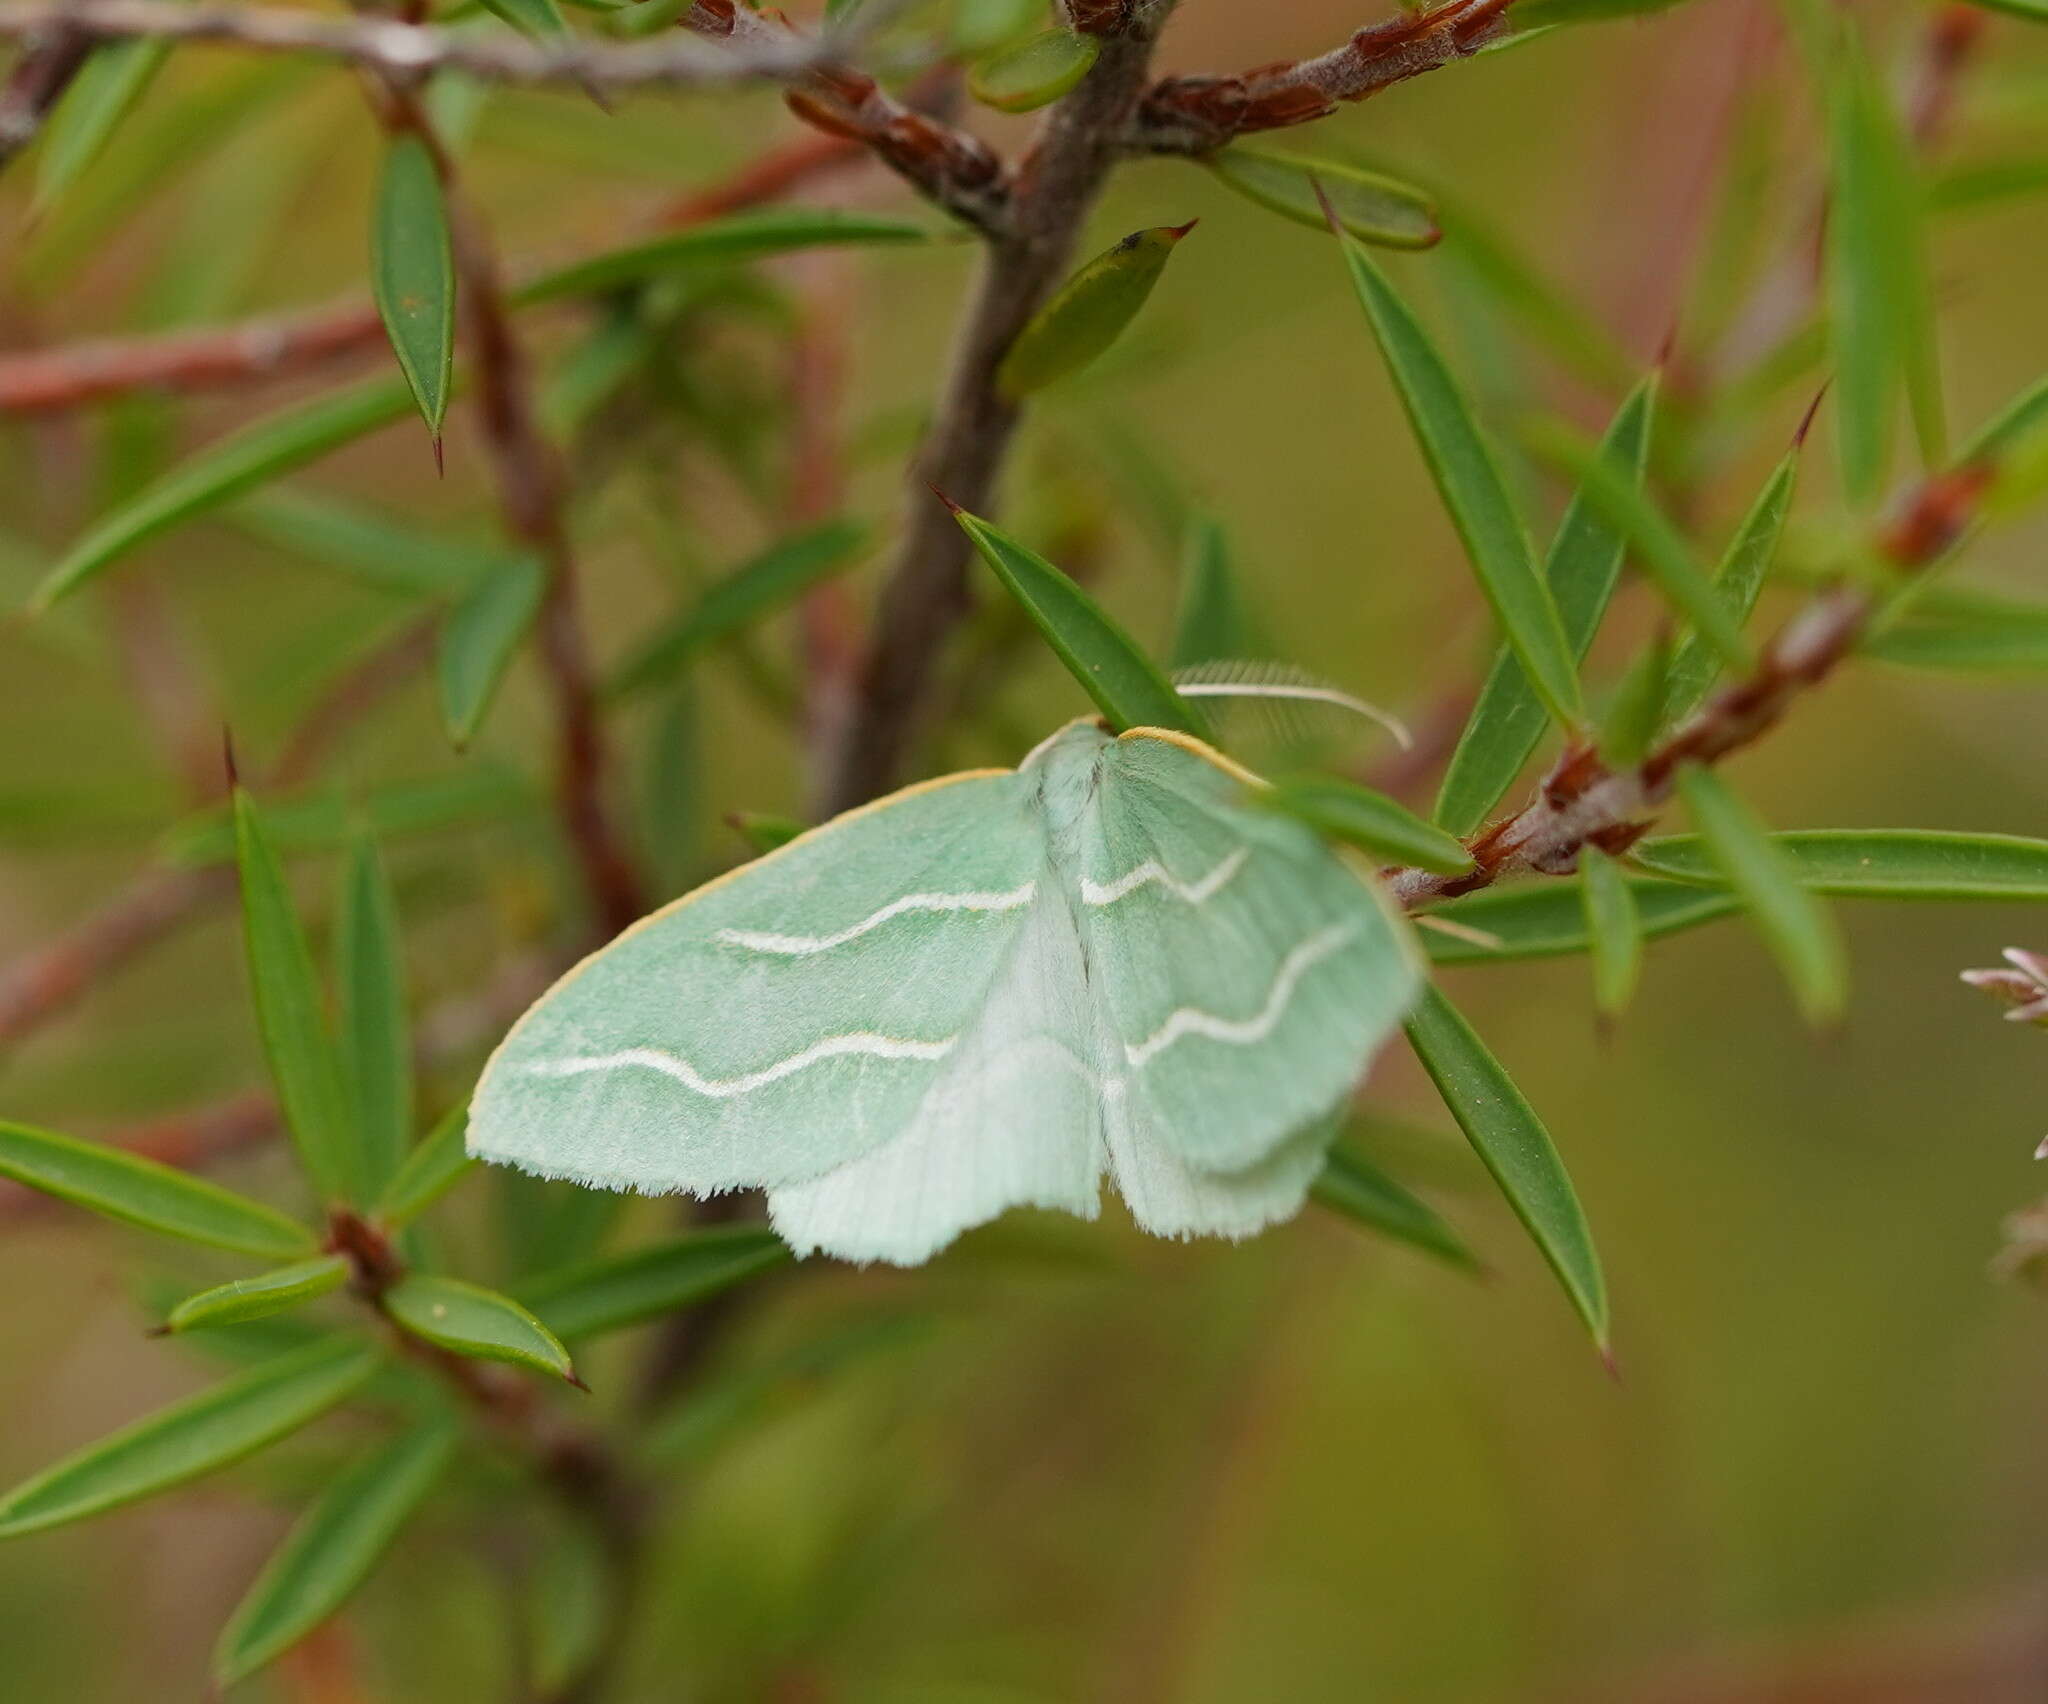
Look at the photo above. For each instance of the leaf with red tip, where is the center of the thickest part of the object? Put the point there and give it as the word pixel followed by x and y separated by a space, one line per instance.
pixel 1514 1146
pixel 467 1319
pixel 412 275
pixel 1127 686
pixel 1090 311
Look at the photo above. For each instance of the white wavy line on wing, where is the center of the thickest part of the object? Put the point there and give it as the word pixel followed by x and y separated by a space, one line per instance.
pixel 1190 1020
pixel 798 946
pixel 722 1088
pixel 1194 892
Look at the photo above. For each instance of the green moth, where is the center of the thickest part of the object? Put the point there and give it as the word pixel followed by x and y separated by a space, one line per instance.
pixel 983 992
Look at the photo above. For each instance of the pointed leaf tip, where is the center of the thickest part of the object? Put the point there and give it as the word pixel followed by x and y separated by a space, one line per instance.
pixel 1812 413
pixel 1128 687
pixel 1515 1147
pixel 1176 232
pixel 952 507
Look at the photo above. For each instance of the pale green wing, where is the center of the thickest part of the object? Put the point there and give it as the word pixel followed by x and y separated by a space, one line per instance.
pixel 786 1019
pixel 1244 972
pixel 1170 1198
pixel 1013 1119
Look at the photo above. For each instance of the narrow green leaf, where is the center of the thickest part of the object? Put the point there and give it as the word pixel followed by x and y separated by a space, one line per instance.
pixel 476 793
pixel 1737 581
pixel 1633 716
pixel 1126 685
pixel 1662 550
pixel 618 1290
pixel 1374 209
pixel 365 545
pixel 436 1164
pixel 1352 1185
pixel 1025 75
pixel 1089 312
pixel 1516 1147
pixel 1511 1141
pixel 739 237
pixel 190 1438
pixel 470 1320
pixel 289 1013
pixel 412 273
pixel 1581 570
pixel 757 588
pixel 480 638
pixel 538 19
pixel 1369 820
pixel 1614 931
pixel 1211 624
pixel 1794 924
pixel 2035 11
pixel 333 1547
pixel 614 352
pixel 143 1192
pixel 1879 863
pixel 1879 301
pixel 252 1298
pixel 266 450
pixel 101 95
pixel 376 1052
pixel 1468 478
pixel 670 815
pixel 2012 426
pixel 2008 640
pixel 763 831
pixel 1547 919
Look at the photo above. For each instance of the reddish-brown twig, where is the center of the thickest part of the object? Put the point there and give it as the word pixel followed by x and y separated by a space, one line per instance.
pixel 212 359
pixel 407 51
pixel 925 594
pixel 1584 802
pixel 1198 114
pixel 50 58
pixel 948 167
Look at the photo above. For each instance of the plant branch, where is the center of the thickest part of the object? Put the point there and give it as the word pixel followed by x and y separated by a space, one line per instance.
pixel 409 51
pixel 1198 114
pixel 576 1463
pixel 926 595
pixel 1583 802
pixel 950 168
pixel 50 58
pixel 75 374
pixel 219 358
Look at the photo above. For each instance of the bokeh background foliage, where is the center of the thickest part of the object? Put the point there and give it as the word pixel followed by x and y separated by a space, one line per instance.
pixel 1063 1462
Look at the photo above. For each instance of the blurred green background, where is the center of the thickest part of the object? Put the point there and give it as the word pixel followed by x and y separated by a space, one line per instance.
pixel 1313 1467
